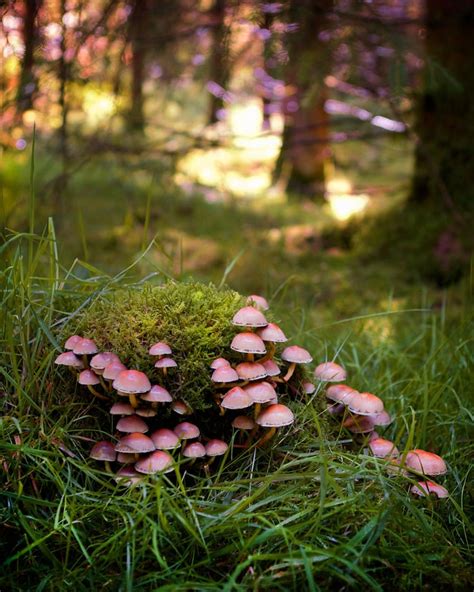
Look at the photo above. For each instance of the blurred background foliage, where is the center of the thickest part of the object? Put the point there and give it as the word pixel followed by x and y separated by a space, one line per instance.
pixel 321 143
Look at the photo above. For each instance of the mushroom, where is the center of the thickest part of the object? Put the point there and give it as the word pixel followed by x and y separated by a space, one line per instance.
pixel 157 394
pixel 236 398
pixel 70 360
pixel 112 370
pixel 219 363
pixel 186 431
pixel 126 458
pixel 157 462
pixel 330 372
pixel 425 462
pixel 249 316
pixel 248 343
pixel 164 364
pixel 381 419
pixel 261 392
pixel 194 450
pixel 135 443
pixel 121 408
pixel 271 334
pixel 130 383
pixel 250 371
pixel 215 448
pixel 340 393
pixel 359 424
pixel 105 452
pixel 127 476
pixel 160 349
pixel 145 412
pixel 100 361
pixel 382 448
pixel 84 348
pixel 223 375
pixel 365 404
pixel 72 341
pixel 181 408
pixel 426 488
pixel 90 379
pixel 165 439
pixel 132 423
pixel 271 368
pixel 273 417
pixel 308 388
pixel 258 301
pixel 295 355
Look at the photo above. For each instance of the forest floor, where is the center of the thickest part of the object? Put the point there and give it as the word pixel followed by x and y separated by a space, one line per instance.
pixel 304 513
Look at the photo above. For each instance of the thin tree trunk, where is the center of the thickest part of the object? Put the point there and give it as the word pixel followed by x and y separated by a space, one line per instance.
pixel 305 148
pixel 218 67
pixel 137 32
pixel 27 83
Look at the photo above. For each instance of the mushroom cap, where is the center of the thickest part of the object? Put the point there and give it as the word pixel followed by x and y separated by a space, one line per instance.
pixel 156 462
pixel 236 398
pixel 132 382
pixel 165 363
pixel 216 447
pixel 243 422
pixel 219 363
pixel 186 430
pixel 157 394
pixel 69 359
pixel 250 371
pixel 103 359
pixel 381 419
pixel 181 408
pixel 365 404
pixel 382 448
pixel 132 423
pixel 121 408
pixel 224 374
pixel 72 341
pixel 165 439
pixel 308 388
pixel 425 488
pixel 272 332
pixel 258 301
pixel 249 316
pixel 359 424
pixel 112 370
pixel 425 462
pixel 160 349
pixel 127 476
pixel 103 450
pixel 271 368
pixel 340 393
pixel 145 412
pixel 88 377
pixel 135 442
pixel 296 355
pixel 330 372
pixel 261 392
pixel 248 343
pixel 275 416
pixel 194 450
pixel 85 347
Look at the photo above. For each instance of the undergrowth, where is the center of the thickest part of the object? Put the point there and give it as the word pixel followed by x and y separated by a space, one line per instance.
pixel 306 513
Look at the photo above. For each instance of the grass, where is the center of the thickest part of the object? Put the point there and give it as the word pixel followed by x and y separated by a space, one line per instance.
pixel 308 513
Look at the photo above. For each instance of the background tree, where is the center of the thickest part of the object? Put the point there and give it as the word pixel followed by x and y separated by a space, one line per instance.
pixel 28 83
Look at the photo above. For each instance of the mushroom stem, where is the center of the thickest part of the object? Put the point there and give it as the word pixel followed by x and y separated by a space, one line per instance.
pixel 250 357
pixel 108 468
pixel 133 400
pixel 270 353
pixel 290 372
pixel 256 410
pixel 165 372
pixel 222 410
pixel 250 438
pixel 228 385
pixel 105 386
pixel 85 361
pixel 96 394
pixel 271 432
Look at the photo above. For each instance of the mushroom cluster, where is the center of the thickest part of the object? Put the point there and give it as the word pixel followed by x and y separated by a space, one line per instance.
pixel 141 448
pixel 362 413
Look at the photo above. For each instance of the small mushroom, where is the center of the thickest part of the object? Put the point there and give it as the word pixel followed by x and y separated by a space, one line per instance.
pixel 70 360
pixel 330 372
pixel 271 334
pixel 105 452
pixel 426 488
pixel 249 316
pixel 112 370
pixel 132 423
pixel 258 301
pixel 273 417
pixel 157 394
pixel 340 393
pixel 85 347
pixel 250 371
pixel 186 431
pixel 157 462
pixel 194 450
pixel 165 439
pixel 135 443
pixel 308 388
pixel 295 355
pixel 121 408
pixel 90 379
pixel 160 349
pixel 219 363
pixel 165 363
pixel 130 383
pixel 425 462
pixel 236 398
pixel 382 448
pixel 248 343
pixel 145 412
pixel 271 368
pixel 72 341
pixel 127 476
pixel 365 404
pixel 181 408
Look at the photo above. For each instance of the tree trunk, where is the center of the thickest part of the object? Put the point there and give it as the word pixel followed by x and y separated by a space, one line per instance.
pixel 218 66
pixel 305 147
pixel 444 158
pixel 137 29
pixel 27 83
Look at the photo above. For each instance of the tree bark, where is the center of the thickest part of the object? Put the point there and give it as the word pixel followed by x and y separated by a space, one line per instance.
pixel 218 66
pixel 305 147
pixel 444 157
pixel 138 41
pixel 28 83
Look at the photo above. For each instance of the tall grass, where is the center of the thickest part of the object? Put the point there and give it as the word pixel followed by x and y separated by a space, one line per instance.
pixel 308 512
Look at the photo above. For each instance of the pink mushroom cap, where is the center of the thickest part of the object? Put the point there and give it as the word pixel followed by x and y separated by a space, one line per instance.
pixel 340 393
pixel 69 359
pixel 165 439
pixel 157 462
pixel 194 450
pixel 271 368
pixel 132 382
pixel 85 347
pixel 236 398
pixel 132 423
pixel 250 371
pixel 112 370
pixel 216 447
pixel 72 341
pixel 121 408
pixel 365 404
pixel 258 301
pixel 249 316
pixel 425 462
pixel 165 363
pixel 224 374
pixel 157 394
pixel 426 488
pixel 136 442
pixel 382 448
pixel 187 431
pixel 275 416
pixel 104 451
pixel 88 378
pixel 330 372
pixel 243 422
pixel 296 355
pixel 261 392
pixel 99 362
pixel 160 349
pixel 219 363
pixel 248 343
pixel 272 332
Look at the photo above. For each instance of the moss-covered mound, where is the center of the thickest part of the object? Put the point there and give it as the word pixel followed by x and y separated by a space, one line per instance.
pixel 193 318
